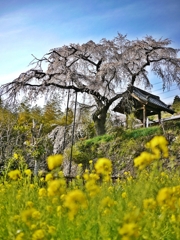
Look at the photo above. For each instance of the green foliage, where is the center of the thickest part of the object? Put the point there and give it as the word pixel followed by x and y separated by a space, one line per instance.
pixel 8 137
pixel 78 155
pixel 131 120
pixel 24 130
pixel 99 139
pixel 173 125
pixel 66 118
pixel 86 124
pixel 176 104
pixel 121 146
pixel 51 115
pixel 141 132
pixel 84 150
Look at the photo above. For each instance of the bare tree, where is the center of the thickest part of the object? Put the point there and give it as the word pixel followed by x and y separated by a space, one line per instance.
pixel 100 70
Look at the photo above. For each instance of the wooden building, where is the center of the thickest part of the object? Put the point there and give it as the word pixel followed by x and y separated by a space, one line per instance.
pixel 142 103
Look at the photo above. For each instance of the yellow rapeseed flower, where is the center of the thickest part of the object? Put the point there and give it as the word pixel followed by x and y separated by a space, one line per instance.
pixel 20 236
pixel 129 230
pixel 32 186
pixel 165 197
pixel 61 174
pixel 15 156
pixel 51 230
pixel 93 176
pixel 176 190
pixel 41 173
pixel 103 166
pixel 49 208
pixel 48 177
pixel 80 165
pixel 149 203
pixel 86 176
pixel 124 195
pixel 90 176
pixel 15 218
pixel 107 202
pixel 56 187
pixel 163 194
pixel 158 143
pixel 36 215
pixel 173 219
pixel 55 200
pixel 15 174
pixel 54 161
pixel 38 235
pixel 29 204
pixel 42 179
pixel 143 160
pixel 92 188
pixel 42 192
pixel 59 210
pixel 28 172
pixel 75 200
pixel 29 214
pixel 33 226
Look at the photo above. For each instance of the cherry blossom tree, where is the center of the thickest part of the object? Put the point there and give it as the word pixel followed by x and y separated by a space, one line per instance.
pixel 102 71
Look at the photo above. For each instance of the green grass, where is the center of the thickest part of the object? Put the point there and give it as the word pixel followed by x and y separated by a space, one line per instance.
pixel 99 139
pixel 142 132
pixel 119 143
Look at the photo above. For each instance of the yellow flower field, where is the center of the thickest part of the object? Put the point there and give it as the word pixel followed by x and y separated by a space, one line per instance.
pixel 144 204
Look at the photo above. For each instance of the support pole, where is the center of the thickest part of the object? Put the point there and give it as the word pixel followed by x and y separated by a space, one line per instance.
pixel 72 139
pixel 144 116
pixel 159 117
pixel 65 129
pixel 147 122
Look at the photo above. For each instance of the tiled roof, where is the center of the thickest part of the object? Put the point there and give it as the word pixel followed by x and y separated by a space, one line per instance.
pixel 135 97
pixel 150 98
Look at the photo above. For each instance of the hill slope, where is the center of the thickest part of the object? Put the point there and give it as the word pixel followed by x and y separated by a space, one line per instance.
pixel 122 146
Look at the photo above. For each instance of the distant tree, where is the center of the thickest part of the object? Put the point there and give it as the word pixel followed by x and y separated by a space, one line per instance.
pixel 100 70
pixel 176 104
pixel 8 120
pixel 37 122
pixel 29 135
pixel 176 99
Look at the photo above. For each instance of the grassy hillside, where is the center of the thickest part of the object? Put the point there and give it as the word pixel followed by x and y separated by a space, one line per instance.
pixel 122 146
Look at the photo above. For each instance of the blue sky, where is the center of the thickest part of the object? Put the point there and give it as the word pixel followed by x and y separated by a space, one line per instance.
pixel 36 26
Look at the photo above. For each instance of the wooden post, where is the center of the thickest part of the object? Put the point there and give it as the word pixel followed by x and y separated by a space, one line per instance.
pixel 144 116
pixel 159 117
pixel 147 122
pixel 127 118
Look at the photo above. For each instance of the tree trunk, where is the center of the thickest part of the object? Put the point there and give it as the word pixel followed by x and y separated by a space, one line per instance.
pixel 99 119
